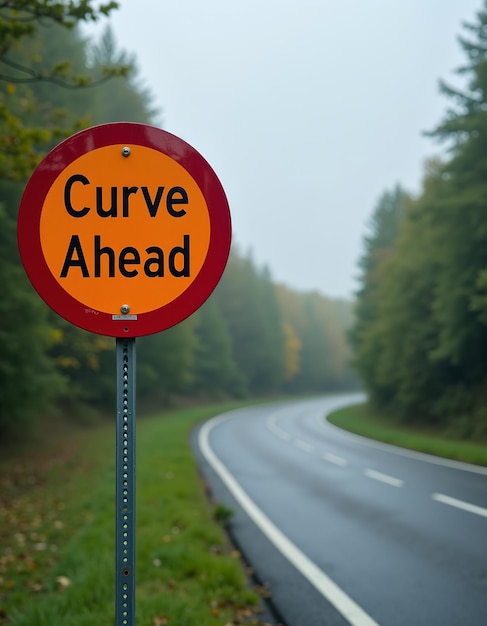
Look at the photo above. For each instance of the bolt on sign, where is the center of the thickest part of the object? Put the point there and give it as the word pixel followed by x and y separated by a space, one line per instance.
pixel 124 229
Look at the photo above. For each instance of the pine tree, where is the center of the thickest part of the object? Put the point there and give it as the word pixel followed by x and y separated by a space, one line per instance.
pixel 365 335
pixel 461 291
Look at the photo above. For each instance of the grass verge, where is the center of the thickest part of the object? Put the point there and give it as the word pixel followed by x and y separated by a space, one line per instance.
pixel 362 420
pixel 57 534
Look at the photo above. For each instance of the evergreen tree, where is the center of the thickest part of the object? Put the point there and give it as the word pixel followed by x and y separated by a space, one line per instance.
pixel 248 302
pixel 214 370
pixel 379 248
pixel 421 336
pixel 124 98
pixel 461 293
pixel 399 342
pixel 165 363
pixel 28 378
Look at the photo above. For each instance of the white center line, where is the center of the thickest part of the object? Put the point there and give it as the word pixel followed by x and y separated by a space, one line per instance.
pixel 303 445
pixel 383 478
pixel 274 428
pixel 283 435
pixel 460 504
pixel 336 460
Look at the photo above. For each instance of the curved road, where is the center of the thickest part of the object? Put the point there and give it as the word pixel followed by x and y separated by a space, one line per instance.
pixel 345 530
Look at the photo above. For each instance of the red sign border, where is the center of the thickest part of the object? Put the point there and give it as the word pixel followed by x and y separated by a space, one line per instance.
pixel 28 229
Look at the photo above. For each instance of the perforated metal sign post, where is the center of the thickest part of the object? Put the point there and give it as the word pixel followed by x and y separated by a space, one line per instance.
pixel 124 230
pixel 125 487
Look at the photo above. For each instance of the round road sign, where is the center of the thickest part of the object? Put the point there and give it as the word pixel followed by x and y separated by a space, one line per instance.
pixel 124 229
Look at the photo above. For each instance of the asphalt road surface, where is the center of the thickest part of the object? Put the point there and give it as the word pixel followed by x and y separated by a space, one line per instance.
pixel 345 530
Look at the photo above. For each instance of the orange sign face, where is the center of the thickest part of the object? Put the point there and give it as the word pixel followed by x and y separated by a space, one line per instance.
pixel 124 229
pixel 131 230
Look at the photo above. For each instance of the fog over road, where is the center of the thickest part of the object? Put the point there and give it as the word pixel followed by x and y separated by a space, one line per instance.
pixel 345 530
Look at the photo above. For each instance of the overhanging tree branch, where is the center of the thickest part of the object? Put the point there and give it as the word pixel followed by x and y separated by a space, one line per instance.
pixel 59 75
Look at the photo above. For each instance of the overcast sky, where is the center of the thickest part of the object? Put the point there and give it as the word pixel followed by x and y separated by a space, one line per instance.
pixel 308 110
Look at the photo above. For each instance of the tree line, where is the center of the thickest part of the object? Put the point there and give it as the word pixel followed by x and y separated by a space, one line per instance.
pixel 251 337
pixel 420 335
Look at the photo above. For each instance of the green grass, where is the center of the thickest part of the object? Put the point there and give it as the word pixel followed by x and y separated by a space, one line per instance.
pixel 57 534
pixel 57 525
pixel 362 420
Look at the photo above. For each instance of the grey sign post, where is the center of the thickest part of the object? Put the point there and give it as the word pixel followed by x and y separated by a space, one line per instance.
pixel 125 484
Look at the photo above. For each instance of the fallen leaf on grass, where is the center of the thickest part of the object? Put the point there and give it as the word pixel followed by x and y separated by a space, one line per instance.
pixel 37 586
pixel 63 581
pixel 214 608
pixel 160 620
pixel 263 590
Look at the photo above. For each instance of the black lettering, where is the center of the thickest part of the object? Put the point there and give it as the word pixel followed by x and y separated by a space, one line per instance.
pixel 180 251
pixel 123 261
pixel 171 200
pixel 126 192
pixel 69 261
pixel 178 260
pixel 75 178
pixel 152 205
pixel 112 211
pixel 111 258
pixel 157 261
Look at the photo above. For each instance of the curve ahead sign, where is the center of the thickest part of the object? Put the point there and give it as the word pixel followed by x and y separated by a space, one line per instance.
pixel 124 229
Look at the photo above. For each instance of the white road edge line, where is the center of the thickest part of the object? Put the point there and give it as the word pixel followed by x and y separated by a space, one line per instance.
pixel 460 504
pixel 336 460
pixel 349 609
pixel 383 478
pixel 412 454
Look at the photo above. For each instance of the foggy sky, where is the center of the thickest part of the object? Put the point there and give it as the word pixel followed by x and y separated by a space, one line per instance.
pixel 308 110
